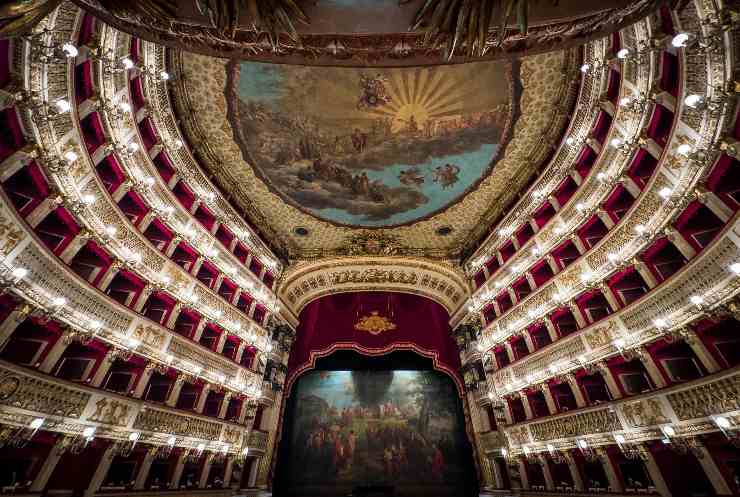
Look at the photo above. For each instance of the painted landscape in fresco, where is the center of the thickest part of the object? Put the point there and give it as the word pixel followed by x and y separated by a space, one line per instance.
pixel 376 147
pixel 358 428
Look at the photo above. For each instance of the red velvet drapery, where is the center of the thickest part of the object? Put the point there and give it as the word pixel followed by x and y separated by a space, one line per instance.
pixel 328 324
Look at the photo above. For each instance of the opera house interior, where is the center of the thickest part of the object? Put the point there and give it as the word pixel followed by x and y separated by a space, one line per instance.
pixel 552 311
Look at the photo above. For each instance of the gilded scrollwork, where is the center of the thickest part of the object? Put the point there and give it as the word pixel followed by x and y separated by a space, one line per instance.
pixel 111 411
pixel 167 422
pixel 586 423
pixel 35 394
pixel 646 412
pixel 717 397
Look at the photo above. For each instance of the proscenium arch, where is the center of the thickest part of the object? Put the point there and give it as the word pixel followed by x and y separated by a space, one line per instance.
pixel 437 281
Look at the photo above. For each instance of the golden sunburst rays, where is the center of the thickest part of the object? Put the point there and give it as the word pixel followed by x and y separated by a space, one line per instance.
pixel 425 96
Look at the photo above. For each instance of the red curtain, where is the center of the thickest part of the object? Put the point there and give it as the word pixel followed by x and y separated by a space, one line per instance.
pixel 328 324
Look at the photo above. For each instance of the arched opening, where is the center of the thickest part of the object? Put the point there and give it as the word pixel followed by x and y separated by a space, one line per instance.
pixel 383 425
pixel 374 401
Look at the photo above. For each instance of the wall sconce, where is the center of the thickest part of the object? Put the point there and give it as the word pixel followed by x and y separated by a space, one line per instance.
pixel 19 437
pixel 726 426
pixel 588 453
pixel 128 446
pixel 630 451
pixel 556 456
pixel 164 451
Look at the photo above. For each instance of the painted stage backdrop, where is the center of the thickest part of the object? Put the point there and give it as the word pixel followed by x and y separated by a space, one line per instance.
pixel 367 428
pixel 372 147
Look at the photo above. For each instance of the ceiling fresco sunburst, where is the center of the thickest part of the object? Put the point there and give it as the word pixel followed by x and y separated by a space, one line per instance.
pixel 372 148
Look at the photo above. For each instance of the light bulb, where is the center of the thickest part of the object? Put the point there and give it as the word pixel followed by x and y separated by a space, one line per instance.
pixel 70 156
pixel 580 207
pixel 36 423
pixel 164 75
pixel 585 68
pixel 171 440
pixel 88 199
pixel 693 100
pixel 623 53
pixel 133 437
pixel 615 142
pixel 669 431
pixel 88 432
pixel 59 301
pixel 132 147
pixel 624 101
pixel 684 149
pixel 680 40
pixel 70 50
pixel 127 63
pixel 696 300
pixel 63 106
pixel 665 192
pixel 570 140
pixel 110 230
pixel 660 323
pixel 19 273
pixel 125 107
pixel 619 438
pixel 735 267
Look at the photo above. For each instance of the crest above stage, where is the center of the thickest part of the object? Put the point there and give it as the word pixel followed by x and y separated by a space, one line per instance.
pixel 408 323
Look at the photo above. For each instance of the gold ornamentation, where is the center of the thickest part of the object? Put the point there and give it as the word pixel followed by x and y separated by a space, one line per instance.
pixel 110 412
pixel 600 336
pixel 8 386
pixel 585 423
pixel 176 424
pixel 375 324
pixel 718 397
pixel 33 394
pixel 644 413
pixel 257 440
pixel 10 235
pixel 371 243
pixel 149 335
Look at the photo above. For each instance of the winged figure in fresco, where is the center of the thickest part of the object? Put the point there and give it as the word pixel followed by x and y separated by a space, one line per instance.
pixel 411 177
pixel 446 175
pixel 373 92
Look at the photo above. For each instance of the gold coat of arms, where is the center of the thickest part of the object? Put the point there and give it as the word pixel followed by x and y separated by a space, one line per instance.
pixel 375 324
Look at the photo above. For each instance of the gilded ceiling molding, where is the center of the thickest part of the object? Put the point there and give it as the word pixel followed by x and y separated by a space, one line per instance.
pixel 437 281
pixel 582 23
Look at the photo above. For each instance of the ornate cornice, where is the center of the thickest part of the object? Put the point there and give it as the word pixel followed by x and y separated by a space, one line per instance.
pixel 306 282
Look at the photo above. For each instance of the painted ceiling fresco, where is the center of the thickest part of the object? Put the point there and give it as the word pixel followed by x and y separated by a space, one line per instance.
pixel 372 147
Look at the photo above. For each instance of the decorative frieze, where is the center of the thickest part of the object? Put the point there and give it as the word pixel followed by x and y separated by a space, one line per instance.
pixel 586 423
pixel 168 422
pixel 257 440
pixel 34 394
pixel 704 400
pixel 437 281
